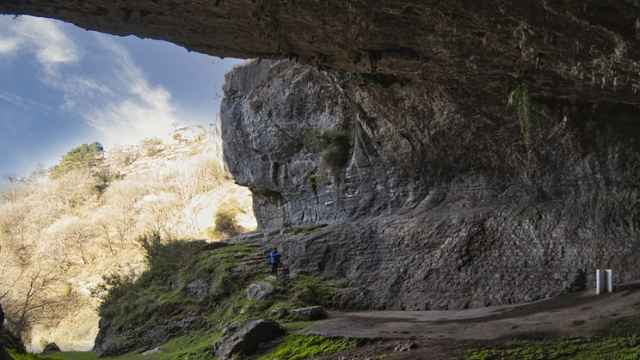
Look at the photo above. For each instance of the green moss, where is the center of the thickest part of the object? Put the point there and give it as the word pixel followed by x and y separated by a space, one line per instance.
pixel 192 347
pixel 73 355
pixel 195 346
pixel 299 347
pixel 310 290
pixel 161 294
pixel 334 146
pixel 24 356
pixel 625 327
pixel 297 325
pixel 621 348
pixel 519 99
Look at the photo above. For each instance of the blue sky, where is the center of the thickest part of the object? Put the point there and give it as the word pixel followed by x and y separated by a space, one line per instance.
pixel 61 86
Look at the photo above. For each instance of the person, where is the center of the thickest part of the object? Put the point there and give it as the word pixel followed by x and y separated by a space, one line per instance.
pixel 285 274
pixel 274 260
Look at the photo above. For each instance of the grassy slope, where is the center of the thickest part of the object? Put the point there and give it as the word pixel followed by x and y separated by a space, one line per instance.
pixel 161 294
pixel 621 341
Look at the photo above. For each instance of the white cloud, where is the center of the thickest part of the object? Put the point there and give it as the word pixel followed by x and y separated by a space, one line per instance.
pixel 142 111
pixel 22 102
pixel 42 37
pixel 8 46
pixel 116 100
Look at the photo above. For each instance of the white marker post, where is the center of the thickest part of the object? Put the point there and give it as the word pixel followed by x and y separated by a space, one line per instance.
pixel 600 281
pixel 609 274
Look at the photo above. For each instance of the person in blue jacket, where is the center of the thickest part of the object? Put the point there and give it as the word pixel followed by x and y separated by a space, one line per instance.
pixel 274 260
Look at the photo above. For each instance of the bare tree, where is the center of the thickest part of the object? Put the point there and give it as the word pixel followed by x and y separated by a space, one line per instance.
pixel 31 300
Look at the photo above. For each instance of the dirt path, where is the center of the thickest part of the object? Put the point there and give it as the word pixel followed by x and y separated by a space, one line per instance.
pixel 581 314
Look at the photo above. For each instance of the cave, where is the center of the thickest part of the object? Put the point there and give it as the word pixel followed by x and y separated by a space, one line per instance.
pixel 483 137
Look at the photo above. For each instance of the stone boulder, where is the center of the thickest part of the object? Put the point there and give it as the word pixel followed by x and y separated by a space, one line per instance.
pixel 245 340
pixel 51 348
pixel 198 289
pixel 260 291
pixel 309 313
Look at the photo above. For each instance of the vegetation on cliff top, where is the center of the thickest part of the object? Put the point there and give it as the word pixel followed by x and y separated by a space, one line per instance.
pixel 82 157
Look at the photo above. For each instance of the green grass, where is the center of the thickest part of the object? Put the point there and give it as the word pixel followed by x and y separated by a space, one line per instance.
pixel 189 347
pixel 620 348
pixel 199 347
pixel 73 355
pixel 161 294
pixel 299 347
pixel 620 340
pixel 310 290
pixel 297 325
pixel 26 356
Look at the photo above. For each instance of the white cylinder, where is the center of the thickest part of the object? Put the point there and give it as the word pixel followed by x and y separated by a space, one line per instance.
pixel 609 274
pixel 600 282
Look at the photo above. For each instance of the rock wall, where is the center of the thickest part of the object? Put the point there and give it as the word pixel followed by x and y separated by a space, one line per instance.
pixel 584 48
pixel 444 195
pixel 445 201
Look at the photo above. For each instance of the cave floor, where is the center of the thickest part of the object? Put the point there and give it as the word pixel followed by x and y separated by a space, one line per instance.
pixel 446 334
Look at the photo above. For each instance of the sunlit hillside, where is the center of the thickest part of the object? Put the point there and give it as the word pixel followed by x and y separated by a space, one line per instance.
pixel 63 231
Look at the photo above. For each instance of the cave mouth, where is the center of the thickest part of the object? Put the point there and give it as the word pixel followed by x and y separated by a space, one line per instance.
pixel 105 139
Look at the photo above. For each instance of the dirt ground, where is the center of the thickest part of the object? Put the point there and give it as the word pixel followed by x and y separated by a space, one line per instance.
pixel 446 334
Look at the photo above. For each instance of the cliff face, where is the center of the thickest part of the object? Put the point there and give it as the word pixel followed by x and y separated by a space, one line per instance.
pixel 433 208
pixel 463 153
pixel 571 48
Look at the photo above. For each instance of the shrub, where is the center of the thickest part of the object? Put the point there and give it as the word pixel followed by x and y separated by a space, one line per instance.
pixel 82 157
pixel 103 178
pixel 309 290
pixel 152 146
pixel 334 146
pixel 124 158
pixel 226 224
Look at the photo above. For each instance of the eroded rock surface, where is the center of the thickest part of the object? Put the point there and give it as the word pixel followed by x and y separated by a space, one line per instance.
pixel 310 313
pixel 244 340
pixel 570 49
pixel 436 208
pixel 492 152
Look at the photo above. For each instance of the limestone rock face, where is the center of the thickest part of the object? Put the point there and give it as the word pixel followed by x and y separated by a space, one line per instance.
pixel 113 341
pixel 245 340
pixel 491 151
pixel 260 291
pixel 439 205
pixel 569 49
pixel 309 313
